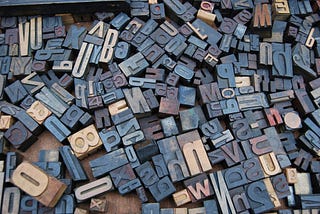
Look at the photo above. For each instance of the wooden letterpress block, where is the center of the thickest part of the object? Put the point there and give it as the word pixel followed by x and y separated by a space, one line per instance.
pixel 280 185
pixel 49 190
pixel 310 201
pixel 28 204
pixel 147 174
pixel 260 145
pixel 240 199
pixel 80 211
pixel 150 208
pixel 16 92
pixel 108 47
pixel 303 185
pixel 198 187
pixel 85 141
pixel 98 205
pixel 162 189
pixel 11 200
pixel 303 160
pixel 71 117
pixel 169 106
pixel 142 194
pixel 117 107
pixel 93 189
pixel 19 136
pixel 262 20
pixel 270 164
pixel 160 165
pixel 122 175
pixel 6 122
pixel 136 100
pixel 235 177
pixel 74 37
pixel 173 157
pixel 258 196
pixel 72 163
pixel 102 118
pixel 38 112
pixel 194 152
pixel 272 193
pixel 182 197
pixel 134 65
pixel 116 159
pixel 54 125
pixel 253 169
pixel 221 192
pixel 65 205
pixel 130 186
pixel 282 67
pixel 291 174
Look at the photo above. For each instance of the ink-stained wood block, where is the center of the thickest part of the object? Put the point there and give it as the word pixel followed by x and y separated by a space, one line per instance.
pixel 240 199
pixel 73 165
pixel 49 190
pixel 147 174
pixel 253 169
pixel 303 185
pixel 11 200
pixel 16 92
pixel 182 197
pixel 122 175
pixel 150 208
pixel 116 159
pixel 169 106
pixel 6 121
pixel 65 205
pixel 57 129
pixel 234 177
pixel 98 205
pixel 136 100
pixel 262 20
pixel 162 189
pixel 291 175
pixel 85 141
pixel 38 112
pixel 93 189
pixel 280 185
pixel 19 136
pixel 199 187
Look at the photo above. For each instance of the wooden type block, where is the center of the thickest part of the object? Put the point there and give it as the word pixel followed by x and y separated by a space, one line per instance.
pixel 110 138
pixel 136 100
pixel 189 119
pixel 269 164
pixel 38 112
pixel 49 190
pixel 160 165
pixel 58 129
pixel 122 175
pixel 74 37
pixel 199 187
pixel 232 153
pixel 132 156
pixel 62 66
pixel 53 169
pixel 28 205
pixel 182 197
pixel 142 194
pixel 150 208
pixel 266 56
pixel 302 66
pixel 260 145
pixel 162 189
pixel 124 115
pixel 222 138
pixel 71 117
pixel 142 82
pixel 173 157
pixel 147 174
pixel 4 146
pixel 128 127
pixel 241 129
pixel 12 160
pixel 303 184
pixel 291 175
pixel 65 205
pixel 235 177
pixel 102 118
pixel 6 122
pixel 253 169
pixel 280 10
pixel 202 28
pixel 108 46
pixel 130 186
pixel 211 128
pixel 81 65
pixel 52 102
pixel 151 128
pixel 216 156
pixel 303 102
pixel 262 20
pixel 93 189
pixel 315 166
pixel 258 197
pixel 80 211
pixel 194 152
pixel 221 192
pixel 303 160
pixel 151 100
pixel 282 67
pixel 21 115
pixel 11 200
pixel 32 83
pixel 252 101
pixel 35 33
pixel 280 185
pixel 16 92
pixel 48 156
pixel 73 165
pixel 121 51
pixel 112 96
pixel 19 136
pixel 240 199
pixel 98 205
pixel 85 141
pixel 310 201
pixel 169 126
pixel 5 64
pixel 116 159
pixel 169 106
pixel 12 36
pixel 133 65
pixel 24 36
